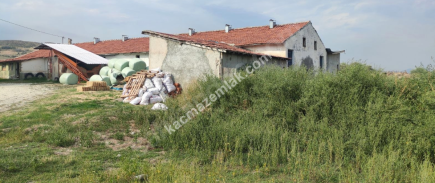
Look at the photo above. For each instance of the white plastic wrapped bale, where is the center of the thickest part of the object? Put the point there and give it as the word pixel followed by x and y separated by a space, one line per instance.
pixel 137 64
pixel 158 83
pixel 69 79
pixel 114 75
pixel 104 71
pixel 111 63
pixel 146 98
pixel 127 72
pixel 159 106
pixel 154 91
pixel 148 83
pixel 155 99
pixel 136 101
pixel 121 64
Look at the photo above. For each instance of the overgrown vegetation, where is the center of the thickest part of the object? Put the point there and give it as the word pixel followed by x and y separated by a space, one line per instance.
pixel 278 125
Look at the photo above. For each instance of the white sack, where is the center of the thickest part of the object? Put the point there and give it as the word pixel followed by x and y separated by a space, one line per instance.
pixel 155 99
pixel 146 98
pixel 171 88
pixel 154 91
pixel 160 75
pixel 136 101
pixel 159 106
pixel 158 83
pixel 126 100
pixel 148 83
pixel 141 92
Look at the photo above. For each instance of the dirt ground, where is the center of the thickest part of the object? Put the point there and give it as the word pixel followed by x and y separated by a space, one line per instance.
pixel 15 95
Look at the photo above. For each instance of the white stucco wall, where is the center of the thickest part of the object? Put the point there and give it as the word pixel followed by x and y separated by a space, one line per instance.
pixel 306 54
pixel 143 56
pixel 333 62
pixel 35 66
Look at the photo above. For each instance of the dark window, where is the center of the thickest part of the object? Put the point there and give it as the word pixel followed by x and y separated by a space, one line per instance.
pixel 304 42
pixel 290 56
pixel 321 61
pixel 338 67
pixel 137 56
pixel 315 45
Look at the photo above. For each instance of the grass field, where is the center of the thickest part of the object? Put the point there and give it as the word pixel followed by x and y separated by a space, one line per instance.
pixel 276 126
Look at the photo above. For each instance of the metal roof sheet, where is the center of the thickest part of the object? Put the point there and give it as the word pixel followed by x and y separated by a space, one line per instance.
pixel 76 52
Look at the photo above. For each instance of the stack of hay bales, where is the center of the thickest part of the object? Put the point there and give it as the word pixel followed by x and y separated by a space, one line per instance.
pixel 94 86
pixel 118 69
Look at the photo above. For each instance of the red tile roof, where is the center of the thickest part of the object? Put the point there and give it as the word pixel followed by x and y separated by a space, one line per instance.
pixel 132 45
pixel 206 43
pixel 32 55
pixel 251 35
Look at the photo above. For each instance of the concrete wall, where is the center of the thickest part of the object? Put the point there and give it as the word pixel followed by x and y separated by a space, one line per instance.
pixel 187 63
pixel 143 56
pixel 307 56
pixel 8 70
pixel 333 62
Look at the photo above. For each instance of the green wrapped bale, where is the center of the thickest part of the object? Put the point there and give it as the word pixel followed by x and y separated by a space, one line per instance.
pixel 116 77
pixel 111 63
pixel 69 79
pixel 128 72
pixel 101 78
pixel 121 64
pixel 137 64
pixel 104 71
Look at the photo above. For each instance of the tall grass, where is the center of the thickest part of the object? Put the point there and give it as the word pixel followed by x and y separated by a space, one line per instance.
pixel 357 124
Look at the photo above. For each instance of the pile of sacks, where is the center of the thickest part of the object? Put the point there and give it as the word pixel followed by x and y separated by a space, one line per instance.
pixel 154 91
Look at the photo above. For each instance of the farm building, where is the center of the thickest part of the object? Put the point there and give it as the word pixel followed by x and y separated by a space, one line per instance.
pixel 221 52
pixel 189 58
pixel 43 63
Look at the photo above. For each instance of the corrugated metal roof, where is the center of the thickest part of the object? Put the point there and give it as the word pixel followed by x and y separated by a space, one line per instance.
pixel 77 53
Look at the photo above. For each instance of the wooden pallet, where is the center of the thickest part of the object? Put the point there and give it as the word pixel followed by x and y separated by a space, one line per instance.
pixel 135 83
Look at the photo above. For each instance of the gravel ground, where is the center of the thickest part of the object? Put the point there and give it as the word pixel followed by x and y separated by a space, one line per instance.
pixel 14 95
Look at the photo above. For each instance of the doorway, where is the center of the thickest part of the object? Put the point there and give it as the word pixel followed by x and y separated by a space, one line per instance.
pixel 290 58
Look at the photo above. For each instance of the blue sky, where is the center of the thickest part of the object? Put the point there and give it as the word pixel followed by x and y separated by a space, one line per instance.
pixel 388 34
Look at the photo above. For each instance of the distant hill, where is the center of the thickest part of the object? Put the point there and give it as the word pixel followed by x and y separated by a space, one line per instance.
pixel 15 48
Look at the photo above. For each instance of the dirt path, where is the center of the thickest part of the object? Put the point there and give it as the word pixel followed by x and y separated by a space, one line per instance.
pixel 13 95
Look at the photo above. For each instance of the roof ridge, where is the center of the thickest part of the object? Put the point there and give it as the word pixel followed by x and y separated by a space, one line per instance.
pixel 250 27
pixel 111 40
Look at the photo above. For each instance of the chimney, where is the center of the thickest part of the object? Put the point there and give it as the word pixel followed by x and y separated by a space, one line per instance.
pixel 69 41
pixel 124 38
pixel 191 31
pixel 227 28
pixel 96 40
pixel 272 23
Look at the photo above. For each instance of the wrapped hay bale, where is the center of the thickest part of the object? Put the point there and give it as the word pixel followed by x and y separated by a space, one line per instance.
pixel 69 79
pixel 127 72
pixel 137 64
pixel 101 78
pixel 120 64
pixel 104 71
pixel 111 63
pixel 115 77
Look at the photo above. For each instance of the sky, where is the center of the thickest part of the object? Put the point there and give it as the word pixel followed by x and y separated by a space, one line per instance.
pixel 393 35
